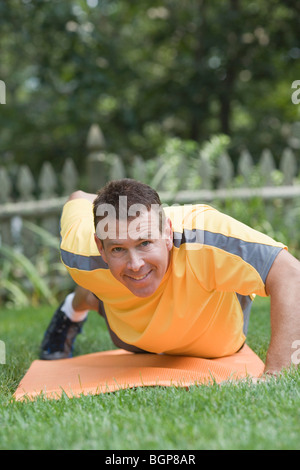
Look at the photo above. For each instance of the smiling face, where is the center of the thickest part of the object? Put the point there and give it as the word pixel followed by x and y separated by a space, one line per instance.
pixel 139 255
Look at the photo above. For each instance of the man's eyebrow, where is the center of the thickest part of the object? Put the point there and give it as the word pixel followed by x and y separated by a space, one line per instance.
pixel 110 242
pixel 146 236
pixel 113 242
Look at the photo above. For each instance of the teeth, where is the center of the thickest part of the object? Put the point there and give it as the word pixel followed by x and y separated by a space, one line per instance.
pixel 139 278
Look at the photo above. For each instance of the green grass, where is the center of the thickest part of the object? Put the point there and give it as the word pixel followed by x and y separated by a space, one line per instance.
pixel 231 416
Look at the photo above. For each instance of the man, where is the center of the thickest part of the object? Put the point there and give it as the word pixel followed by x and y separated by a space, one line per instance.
pixel 175 280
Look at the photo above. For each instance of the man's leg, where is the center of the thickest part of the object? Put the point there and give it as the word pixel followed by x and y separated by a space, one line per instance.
pixel 67 323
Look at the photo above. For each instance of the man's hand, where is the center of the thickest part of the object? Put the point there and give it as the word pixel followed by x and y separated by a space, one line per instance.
pixel 283 286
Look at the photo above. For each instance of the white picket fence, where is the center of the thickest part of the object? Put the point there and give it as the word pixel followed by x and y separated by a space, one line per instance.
pixel 19 203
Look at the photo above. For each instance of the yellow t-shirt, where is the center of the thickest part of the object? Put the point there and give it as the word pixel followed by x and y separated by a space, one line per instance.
pixel 216 263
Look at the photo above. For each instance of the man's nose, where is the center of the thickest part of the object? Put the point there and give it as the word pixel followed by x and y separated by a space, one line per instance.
pixel 135 261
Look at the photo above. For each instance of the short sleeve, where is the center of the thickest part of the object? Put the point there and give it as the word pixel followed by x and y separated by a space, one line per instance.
pixel 77 228
pixel 230 256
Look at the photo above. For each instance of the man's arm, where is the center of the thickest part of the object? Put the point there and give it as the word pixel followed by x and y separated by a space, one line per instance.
pixel 283 286
pixel 82 195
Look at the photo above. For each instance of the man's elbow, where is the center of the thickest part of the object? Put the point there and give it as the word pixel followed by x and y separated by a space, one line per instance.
pixel 284 274
pixel 82 195
pixel 76 195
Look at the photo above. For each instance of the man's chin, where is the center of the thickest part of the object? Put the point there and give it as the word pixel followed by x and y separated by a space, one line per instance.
pixel 142 292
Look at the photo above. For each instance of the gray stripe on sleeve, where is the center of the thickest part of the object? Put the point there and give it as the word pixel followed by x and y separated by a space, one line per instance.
pixel 83 263
pixel 258 255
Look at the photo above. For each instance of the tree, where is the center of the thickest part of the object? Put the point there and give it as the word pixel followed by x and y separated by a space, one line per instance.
pixel 145 71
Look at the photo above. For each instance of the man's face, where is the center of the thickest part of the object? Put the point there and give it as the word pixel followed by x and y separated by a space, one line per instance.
pixel 138 256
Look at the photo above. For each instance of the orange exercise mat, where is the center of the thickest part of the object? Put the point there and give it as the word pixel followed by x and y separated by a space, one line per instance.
pixel 110 371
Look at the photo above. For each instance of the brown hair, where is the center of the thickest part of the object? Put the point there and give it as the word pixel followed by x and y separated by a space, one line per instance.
pixel 135 193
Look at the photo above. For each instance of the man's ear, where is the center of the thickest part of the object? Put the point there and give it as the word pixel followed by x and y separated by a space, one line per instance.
pixel 100 247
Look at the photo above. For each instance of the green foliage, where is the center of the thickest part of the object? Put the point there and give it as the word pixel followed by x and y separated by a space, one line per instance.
pixel 26 281
pixel 19 261
pixel 176 163
pixel 212 149
pixel 145 71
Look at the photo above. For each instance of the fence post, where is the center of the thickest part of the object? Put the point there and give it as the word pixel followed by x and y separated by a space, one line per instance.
pixel 97 164
pixel 206 172
pixel 225 171
pixel 69 180
pixel 25 183
pixel 245 166
pixel 48 185
pixel 26 187
pixel 288 166
pixel 267 167
pixel 117 170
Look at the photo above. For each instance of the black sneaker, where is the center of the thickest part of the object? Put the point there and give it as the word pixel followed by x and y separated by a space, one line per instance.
pixel 60 336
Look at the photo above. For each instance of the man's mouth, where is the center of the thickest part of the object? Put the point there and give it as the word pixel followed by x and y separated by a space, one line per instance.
pixel 139 278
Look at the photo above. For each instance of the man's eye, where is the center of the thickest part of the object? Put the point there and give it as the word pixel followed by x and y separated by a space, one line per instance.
pixel 145 243
pixel 117 249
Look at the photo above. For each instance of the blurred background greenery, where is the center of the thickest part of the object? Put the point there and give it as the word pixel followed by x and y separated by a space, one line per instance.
pixel 164 80
pixel 146 71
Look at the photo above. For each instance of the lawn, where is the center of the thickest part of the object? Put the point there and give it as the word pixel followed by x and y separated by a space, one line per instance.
pixel 231 416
